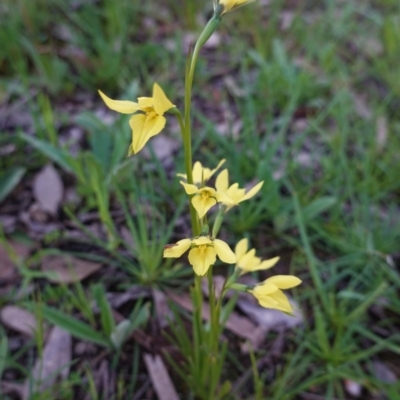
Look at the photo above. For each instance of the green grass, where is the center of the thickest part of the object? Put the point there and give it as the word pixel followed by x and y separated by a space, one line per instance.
pixel 310 98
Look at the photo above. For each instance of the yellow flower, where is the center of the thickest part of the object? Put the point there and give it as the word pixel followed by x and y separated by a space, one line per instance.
pixel 203 252
pixel 233 195
pixel 149 122
pixel 202 174
pixel 203 199
pixel 230 5
pixel 270 295
pixel 247 261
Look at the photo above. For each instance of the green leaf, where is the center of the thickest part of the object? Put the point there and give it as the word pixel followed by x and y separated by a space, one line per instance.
pixel 318 206
pixel 58 156
pixel 9 180
pixel 75 327
pixel 3 353
pixel 106 315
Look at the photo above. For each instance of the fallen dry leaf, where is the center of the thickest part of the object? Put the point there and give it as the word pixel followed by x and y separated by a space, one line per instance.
pixel 68 269
pixel 361 107
pixel 383 373
pixel 381 133
pixel 353 388
pixel 164 147
pixel 55 361
pixel 160 378
pixel 11 388
pixel 18 319
pixel 48 189
pixel 7 267
pixel 161 306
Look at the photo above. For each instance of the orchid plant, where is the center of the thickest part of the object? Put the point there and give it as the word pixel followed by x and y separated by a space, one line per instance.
pixel 148 119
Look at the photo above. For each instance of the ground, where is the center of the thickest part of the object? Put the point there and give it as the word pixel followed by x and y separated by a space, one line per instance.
pixel 302 95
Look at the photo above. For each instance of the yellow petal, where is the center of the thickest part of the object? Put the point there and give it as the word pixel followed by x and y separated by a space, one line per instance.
pixel 222 181
pixel 121 106
pixel 216 168
pixel 283 301
pixel 272 302
pixel 248 261
pixel 263 289
pixel 202 240
pixel 189 188
pixel 201 259
pixel 145 126
pixel 161 102
pixel 146 103
pixel 197 173
pixel 203 204
pixel 176 250
pixel 224 252
pixel 229 5
pixel 252 192
pixel 182 176
pixel 241 248
pixel 284 281
pixel 223 198
pixel 266 264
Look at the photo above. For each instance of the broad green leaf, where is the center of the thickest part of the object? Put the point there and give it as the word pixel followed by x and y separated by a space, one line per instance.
pixel 3 353
pixel 106 315
pixel 58 156
pixel 75 327
pixel 318 206
pixel 9 180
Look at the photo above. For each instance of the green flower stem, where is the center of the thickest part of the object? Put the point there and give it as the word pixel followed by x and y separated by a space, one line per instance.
pixel 206 344
pixel 175 111
pixel 188 168
pixel 187 140
pixel 218 221
pixel 205 35
pixel 239 287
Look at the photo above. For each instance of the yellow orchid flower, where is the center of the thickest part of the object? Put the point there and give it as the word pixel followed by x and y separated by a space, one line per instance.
pixel 203 199
pixel 233 195
pixel 270 295
pixel 247 261
pixel 203 252
pixel 149 122
pixel 202 174
pixel 230 5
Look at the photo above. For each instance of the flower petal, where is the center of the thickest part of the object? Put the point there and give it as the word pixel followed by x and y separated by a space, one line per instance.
pixel 197 173
pixel 223 198
pixel 271 302
pixel 263 289
pixel 241 248
pixel 189 188
pixel 283 281
pixel 252 192
pixel 201 259
pixel 266 264
pixel 146 103
pixel 216 168
pixel 203 204
pixel 222 181
pixel 224 252
pixel 121 106
pixel 248 261
pixel 229 5
pixel 145 126
pixel 176 250
pixel 202 240
pixel 161 102
pixel 282 300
